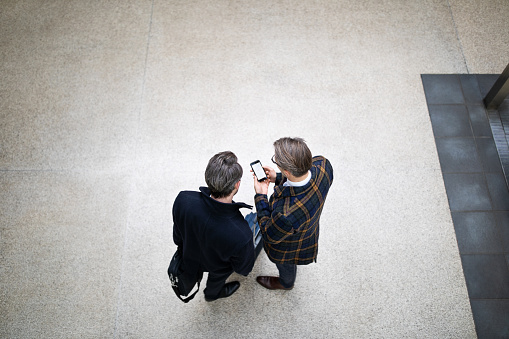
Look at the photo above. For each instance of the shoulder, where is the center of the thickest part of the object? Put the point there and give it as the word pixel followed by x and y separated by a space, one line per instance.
pixel 322 168
pixel 187 195
pixel 321 161
pixel 185 198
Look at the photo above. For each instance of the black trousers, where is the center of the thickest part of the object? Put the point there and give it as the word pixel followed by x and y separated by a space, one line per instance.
pixel 216 281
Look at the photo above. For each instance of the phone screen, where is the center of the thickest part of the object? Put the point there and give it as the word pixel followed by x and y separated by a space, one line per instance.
pixel 258 170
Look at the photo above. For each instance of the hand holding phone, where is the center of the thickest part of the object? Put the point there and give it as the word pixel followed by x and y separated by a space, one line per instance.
pixel 258 170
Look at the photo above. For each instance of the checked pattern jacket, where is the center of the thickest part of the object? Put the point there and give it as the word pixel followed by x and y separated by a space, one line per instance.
pixel 289 221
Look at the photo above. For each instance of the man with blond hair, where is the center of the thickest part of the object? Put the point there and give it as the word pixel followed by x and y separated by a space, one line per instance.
pixel 289 220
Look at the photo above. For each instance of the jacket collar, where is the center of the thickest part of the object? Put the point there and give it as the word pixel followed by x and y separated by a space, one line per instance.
pixel 288 191
pixel 234 206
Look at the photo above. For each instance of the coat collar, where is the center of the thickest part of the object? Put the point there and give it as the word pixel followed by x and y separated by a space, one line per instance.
pixel 234 206
pixel 288 191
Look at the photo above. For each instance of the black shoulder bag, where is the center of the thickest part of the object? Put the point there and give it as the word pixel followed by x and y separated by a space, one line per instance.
pixel 182 283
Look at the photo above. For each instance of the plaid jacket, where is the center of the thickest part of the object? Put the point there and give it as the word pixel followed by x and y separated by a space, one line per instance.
pixel 290 220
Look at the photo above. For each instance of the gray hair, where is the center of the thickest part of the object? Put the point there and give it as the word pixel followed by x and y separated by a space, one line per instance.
pixel 293 155
pixel 222 173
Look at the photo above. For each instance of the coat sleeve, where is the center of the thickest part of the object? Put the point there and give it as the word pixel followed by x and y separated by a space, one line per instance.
pixel 243 260
pixel 177 235
pixel 274 226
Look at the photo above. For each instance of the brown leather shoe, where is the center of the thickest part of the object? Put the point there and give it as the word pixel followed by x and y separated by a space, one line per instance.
pixel 272 283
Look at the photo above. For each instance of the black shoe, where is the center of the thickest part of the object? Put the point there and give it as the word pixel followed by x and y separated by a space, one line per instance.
pixel 227 290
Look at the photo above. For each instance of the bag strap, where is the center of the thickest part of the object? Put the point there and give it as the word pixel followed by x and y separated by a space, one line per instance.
pixel 174 280
pixel 188 299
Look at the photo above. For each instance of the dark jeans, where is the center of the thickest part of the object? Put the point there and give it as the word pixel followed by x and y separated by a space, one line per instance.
pixel 287 274
pixel 253 224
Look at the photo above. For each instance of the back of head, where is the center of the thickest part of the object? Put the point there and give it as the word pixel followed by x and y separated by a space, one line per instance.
pixel 222 173
pixel 293 155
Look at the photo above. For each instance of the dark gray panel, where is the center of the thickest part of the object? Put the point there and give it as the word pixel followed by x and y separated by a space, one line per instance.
pixel 479 120
pixel 450 121
pixel 503 227
pixel 467 192
pixel 477 232
pixel 442 89
pixel 491 318
pixel 487 276
pixel 458 155
pixel 488 155
pixel 470 88
pixel 486 82
pixel 498 191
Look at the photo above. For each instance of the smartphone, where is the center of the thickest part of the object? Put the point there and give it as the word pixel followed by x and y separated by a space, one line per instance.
pixel 258 170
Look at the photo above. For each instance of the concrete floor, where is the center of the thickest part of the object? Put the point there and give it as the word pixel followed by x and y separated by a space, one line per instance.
pixel 109 108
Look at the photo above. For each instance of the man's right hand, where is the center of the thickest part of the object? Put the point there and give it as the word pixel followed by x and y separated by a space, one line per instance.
pixel 261 187
pixel 271 173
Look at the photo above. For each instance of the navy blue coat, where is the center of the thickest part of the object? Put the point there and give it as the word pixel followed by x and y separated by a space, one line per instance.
pixel 214 236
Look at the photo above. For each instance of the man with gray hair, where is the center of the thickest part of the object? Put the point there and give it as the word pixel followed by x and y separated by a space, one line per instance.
pixel 210 231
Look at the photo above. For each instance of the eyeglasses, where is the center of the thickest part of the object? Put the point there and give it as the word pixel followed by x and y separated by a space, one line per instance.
pixel 274 161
